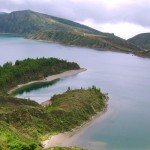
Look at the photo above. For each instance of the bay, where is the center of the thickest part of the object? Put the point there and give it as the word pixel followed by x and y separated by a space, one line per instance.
pixel 126 78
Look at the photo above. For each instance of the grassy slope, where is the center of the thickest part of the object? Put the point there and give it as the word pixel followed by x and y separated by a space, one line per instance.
pixel 143 41
pixel 109 42
pixel 23 122
pixel 26 22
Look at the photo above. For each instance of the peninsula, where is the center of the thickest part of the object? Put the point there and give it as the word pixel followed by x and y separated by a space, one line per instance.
pixel 24 123
pixel 24 71
pixel 47 79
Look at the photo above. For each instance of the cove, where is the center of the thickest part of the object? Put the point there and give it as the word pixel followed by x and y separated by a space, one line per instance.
pixel 126 78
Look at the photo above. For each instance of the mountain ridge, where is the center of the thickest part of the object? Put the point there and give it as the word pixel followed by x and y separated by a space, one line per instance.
pixel 46 27
pixel 39 20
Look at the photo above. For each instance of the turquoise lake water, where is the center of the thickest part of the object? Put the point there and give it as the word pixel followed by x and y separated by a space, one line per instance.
pixel 126 78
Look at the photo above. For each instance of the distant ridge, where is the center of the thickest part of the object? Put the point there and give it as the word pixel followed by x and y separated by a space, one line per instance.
pixel 141 40
pixel 46 27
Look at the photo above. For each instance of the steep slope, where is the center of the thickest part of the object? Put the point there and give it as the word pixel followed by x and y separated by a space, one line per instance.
pixel 141 40
pixel 28 21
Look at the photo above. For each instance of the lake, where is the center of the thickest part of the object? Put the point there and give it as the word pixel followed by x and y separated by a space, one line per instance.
pixel 126 78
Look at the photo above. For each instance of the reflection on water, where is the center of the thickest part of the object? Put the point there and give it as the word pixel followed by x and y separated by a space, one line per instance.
pixel 34 86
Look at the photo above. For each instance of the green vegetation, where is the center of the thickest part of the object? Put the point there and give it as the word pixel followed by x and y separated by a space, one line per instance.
pixel 24 123
pixel 109 42
pixel 144 53
pixel 31 69
pixel 141 40
pixel 46 27
pixel 27 22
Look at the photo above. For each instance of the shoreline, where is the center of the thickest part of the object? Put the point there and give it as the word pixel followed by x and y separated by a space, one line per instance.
pixel 97 49
pixel 50 78
pixel 60 138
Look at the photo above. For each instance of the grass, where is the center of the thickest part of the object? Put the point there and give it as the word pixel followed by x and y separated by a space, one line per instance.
pixel 83 39
pixel 24 123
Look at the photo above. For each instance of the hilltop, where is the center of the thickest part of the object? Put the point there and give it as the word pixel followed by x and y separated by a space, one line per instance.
pixel 141 40
pixel 27 22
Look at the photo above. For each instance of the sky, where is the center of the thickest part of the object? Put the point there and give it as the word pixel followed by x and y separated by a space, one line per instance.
pixel 124 18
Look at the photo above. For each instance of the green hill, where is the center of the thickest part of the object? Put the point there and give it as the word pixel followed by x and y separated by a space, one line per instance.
pixel 27 21
pixel 107 42
pixel 46 27
pixel 24 123
pixel 141 40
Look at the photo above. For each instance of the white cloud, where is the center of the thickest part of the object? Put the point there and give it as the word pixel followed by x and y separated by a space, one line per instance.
pixel 123 29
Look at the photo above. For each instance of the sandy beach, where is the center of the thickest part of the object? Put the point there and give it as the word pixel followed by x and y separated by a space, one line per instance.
pixel 51 78
pixel 61 138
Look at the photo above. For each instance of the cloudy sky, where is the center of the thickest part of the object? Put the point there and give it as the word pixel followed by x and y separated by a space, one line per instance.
pixel 124 18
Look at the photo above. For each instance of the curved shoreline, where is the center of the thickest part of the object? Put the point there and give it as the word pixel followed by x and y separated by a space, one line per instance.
pixel 50 78
pixel 60 138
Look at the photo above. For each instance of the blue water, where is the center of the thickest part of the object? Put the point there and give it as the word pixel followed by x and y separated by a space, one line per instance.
pixel 125 126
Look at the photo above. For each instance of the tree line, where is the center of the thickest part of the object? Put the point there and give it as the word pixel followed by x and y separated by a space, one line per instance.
pixel 31 69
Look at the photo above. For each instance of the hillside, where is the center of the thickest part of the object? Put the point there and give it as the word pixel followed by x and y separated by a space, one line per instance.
pixel 27 22
pixel 107 42
pixel 61 30
pixel 141 40
pixel 24 123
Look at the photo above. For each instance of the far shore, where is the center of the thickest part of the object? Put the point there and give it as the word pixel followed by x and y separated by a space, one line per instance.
pixel 50 78
pixel 61 138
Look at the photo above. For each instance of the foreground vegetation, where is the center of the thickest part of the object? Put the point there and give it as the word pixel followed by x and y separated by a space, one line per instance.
pixel 24 123
pixel 31 69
